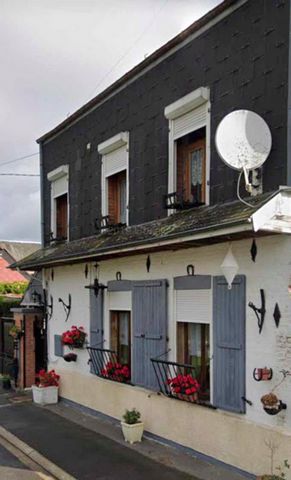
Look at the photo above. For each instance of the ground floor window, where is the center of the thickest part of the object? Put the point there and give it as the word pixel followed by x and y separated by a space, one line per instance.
pixel 193 348
pixel 120 335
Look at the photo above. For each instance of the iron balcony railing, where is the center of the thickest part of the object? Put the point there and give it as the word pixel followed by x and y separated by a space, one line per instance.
pixel 105 364
pixel 177 380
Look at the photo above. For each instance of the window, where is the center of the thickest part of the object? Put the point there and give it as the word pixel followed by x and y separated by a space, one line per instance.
pixel 193 348
pixel 116 189
pixel 191 178
pixel 120 335
pixel 189 148
pixel 59 202
pixel 61 216
pixel 114 153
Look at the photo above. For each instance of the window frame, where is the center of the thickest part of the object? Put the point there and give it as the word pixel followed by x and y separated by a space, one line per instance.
pixel 116 313
pixel 183 345
pixel 199 284
pixel 121 140
pixel 183 106
pixel 60 173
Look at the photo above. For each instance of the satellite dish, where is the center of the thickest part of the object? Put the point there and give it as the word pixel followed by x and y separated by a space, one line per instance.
pixel 243 141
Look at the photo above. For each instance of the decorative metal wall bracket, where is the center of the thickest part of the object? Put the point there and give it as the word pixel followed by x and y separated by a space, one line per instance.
pixel 67 307
pixel 96 287
pixel 49 308
pixel 260 312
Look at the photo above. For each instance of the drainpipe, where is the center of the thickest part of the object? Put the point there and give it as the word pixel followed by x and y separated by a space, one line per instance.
pixel 288 179
pixel 41 194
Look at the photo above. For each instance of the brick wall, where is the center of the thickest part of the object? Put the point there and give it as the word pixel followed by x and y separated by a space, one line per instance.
pixel 26 350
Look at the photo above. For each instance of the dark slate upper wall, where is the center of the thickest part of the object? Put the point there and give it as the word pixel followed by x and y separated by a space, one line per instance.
pixel 244 61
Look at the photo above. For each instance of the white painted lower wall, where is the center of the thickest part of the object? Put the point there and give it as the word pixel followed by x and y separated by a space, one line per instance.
pixel 238 439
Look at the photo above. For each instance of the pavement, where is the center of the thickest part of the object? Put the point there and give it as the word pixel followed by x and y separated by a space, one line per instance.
pixel 62 442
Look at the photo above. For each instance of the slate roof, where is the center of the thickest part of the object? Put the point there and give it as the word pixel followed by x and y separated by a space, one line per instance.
pixel 18 250
pixel 188 223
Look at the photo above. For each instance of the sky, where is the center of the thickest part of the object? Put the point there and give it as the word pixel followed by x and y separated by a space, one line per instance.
pixel 56 55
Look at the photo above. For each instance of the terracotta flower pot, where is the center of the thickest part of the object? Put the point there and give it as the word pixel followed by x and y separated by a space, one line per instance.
pixel 187 398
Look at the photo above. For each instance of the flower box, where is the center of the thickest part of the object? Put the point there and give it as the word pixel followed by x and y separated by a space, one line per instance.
pixel 45 395
pixel 74 338
pixel 116 371
pixel 184 387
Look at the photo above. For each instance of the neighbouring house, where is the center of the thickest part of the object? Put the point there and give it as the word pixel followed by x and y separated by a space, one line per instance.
pixel 12 286
pixel 139 214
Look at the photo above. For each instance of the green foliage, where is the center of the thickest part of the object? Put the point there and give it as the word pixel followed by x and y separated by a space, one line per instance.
pixel 131 416
pixel 16 288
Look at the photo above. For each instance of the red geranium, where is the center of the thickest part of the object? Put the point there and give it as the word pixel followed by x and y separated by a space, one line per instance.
pixel 47 379
pixel 184 384
pixel 116 371
pixel 74 337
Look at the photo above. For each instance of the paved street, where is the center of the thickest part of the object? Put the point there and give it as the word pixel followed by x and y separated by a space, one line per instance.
pixel 12 468
pixel 84 454
pixel 86 447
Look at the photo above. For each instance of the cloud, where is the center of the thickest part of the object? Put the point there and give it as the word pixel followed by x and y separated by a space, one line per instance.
pixel 55 54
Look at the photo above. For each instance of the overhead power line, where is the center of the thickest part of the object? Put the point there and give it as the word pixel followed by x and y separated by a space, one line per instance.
pixel 19 174
pixel 137 40
pixel 19 158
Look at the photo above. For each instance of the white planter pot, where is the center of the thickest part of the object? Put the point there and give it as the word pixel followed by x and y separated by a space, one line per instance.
pixel 45 395
pixel 132 433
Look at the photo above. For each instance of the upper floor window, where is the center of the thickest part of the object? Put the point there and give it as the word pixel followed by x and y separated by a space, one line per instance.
pixel 59 202
pixel 61 206
pixel 191 167
pixel 115 178
pixel 189 147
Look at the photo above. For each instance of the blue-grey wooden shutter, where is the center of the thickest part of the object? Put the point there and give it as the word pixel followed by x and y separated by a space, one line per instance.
pixel 149 325
pixel 96 319
pixel 229 311
pixel 59 349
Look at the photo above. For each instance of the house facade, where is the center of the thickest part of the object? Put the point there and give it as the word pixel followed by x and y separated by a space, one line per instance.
pixel 138 215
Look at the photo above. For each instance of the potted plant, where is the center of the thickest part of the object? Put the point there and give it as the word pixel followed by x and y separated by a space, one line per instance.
pixel 15 332
pixel 70 357
pixel 45 391
pixel 132 427
pixel 271 404
pixel 6 382
pixel 116 371
pixel 74 338
pixel 184 387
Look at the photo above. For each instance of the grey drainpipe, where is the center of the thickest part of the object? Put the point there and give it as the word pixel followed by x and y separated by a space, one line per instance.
pixel 41 194
pixel 289 105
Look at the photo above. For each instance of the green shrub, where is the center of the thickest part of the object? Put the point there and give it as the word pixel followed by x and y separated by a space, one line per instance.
pixel 17 288
pixel 131 416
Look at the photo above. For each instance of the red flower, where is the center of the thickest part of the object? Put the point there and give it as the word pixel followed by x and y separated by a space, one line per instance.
pixel 184 384
pixel 76 336
pixel 47 379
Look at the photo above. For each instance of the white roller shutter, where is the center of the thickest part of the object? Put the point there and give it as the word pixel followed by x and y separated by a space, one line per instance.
pixel 115 161
pixel 193 306
pixel 119 300
pixel 190 121
pixel 60 186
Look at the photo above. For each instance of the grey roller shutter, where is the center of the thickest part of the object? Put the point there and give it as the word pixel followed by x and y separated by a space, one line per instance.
pixel 59 349
pixel 149 324
pixel 229 311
